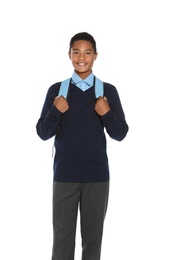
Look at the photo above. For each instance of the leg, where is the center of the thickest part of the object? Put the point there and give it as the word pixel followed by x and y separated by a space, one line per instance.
pixel 93 206
pixel 65 208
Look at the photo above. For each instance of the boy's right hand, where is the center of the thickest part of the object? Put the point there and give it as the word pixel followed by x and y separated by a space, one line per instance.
pixel 61 104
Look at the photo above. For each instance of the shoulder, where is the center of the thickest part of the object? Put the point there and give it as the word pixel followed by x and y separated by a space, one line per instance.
pixel 111 93
pixel 109 88
pixel 54 89
pixel 54 86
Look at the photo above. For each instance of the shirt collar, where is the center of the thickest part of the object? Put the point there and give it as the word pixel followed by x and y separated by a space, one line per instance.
pixel 89 80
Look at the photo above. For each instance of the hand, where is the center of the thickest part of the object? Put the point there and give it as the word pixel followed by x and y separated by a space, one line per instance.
pixel 61 104
pixel 102 106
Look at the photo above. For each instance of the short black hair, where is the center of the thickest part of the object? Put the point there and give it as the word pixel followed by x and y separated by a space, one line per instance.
pixel 85 37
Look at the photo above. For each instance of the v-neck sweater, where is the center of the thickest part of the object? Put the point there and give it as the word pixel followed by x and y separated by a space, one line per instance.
pixel 80 140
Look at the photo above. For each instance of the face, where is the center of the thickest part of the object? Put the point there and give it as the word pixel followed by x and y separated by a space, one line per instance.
pixel 82 56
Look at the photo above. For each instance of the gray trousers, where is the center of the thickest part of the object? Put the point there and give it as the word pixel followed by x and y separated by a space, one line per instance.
pixel 91 199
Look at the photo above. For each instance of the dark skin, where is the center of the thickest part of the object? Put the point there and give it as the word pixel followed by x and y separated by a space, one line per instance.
pixel 83 56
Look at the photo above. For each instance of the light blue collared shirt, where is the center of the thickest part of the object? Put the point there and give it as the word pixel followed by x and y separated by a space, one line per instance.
pixel 83 84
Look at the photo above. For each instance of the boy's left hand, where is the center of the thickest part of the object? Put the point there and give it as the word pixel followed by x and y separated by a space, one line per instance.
pixel 102 106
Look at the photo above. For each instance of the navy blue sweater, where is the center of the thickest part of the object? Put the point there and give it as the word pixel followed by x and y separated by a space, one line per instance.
pixel 80 139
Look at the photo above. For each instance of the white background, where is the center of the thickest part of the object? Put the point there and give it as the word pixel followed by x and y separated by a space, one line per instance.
pixel 133 45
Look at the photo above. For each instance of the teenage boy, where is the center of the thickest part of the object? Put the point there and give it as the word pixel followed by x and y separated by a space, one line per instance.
pixel 81 170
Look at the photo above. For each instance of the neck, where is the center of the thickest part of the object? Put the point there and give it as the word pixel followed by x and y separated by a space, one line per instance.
pixel 83 75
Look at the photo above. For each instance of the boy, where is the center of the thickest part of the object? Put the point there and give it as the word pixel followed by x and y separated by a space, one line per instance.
pixel 81 171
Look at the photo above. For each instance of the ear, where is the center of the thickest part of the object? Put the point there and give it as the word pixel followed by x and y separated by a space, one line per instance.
pixel 96 54
pixel 69 54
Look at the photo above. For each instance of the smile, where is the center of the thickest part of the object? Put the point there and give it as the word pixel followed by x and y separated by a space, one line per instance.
pixel 81 63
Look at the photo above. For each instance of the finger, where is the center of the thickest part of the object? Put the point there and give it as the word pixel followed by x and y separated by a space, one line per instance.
pixel 61 97
pixel 100 98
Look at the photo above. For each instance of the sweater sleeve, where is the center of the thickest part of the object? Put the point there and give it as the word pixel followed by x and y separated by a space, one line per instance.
pixel 48 123
pixel 114 120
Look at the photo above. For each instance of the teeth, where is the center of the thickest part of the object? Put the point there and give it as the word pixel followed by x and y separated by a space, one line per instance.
pixel 81 64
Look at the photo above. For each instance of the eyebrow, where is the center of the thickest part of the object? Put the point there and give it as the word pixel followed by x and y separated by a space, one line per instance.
pixel 75 49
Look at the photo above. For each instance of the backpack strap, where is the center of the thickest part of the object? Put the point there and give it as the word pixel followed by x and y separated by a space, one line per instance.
pixel 64 88
pixel 99 88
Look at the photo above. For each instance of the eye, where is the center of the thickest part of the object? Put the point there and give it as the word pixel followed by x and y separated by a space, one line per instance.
pixel 88 52
pixel 75 52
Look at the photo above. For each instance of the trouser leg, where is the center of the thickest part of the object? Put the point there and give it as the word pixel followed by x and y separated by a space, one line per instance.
pixel 93 206
pixel 65 208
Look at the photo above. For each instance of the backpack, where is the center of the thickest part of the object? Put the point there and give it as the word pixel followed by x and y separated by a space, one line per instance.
pixel 64 88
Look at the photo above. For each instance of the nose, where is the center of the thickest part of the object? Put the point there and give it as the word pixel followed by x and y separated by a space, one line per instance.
pixel 81 56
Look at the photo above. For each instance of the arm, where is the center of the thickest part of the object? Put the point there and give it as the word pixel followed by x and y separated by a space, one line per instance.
pixel 112 115
pixel 51 115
